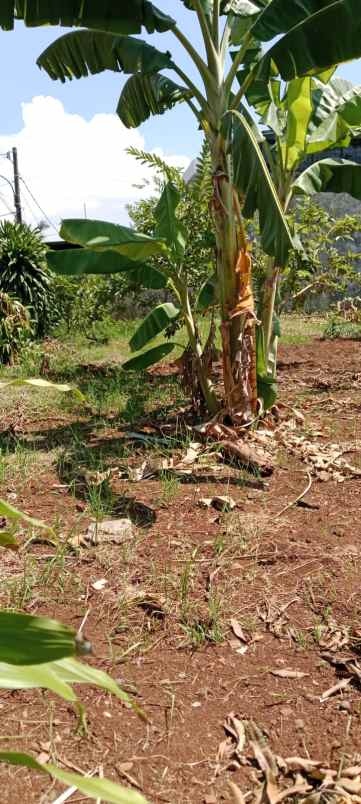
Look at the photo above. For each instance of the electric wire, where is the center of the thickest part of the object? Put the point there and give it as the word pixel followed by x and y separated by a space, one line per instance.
pixel 50 222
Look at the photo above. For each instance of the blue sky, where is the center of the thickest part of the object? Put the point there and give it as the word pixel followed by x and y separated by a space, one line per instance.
pixel 71 146
pixel 21 80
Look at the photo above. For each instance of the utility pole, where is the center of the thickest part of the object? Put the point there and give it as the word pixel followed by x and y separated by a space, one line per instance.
pixel 17 198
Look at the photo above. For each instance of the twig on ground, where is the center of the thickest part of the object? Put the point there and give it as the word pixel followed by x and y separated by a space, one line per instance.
pixel 300 497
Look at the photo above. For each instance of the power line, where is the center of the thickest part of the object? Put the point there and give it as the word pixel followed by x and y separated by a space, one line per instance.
pixel 50 222
pixel 6 204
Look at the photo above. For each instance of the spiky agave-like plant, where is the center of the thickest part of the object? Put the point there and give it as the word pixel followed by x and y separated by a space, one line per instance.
pixel 23 271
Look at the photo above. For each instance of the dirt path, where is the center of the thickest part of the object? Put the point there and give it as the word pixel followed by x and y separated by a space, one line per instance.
pixel 162 623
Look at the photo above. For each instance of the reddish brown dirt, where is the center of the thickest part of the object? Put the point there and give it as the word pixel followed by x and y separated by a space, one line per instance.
pixel 252 562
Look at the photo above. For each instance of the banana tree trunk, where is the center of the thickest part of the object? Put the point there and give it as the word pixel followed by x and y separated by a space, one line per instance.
pixel 236 296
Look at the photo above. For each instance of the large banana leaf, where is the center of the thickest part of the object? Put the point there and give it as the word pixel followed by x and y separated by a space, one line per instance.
pixel 279 16
pixel 146 95
pixel 318 34
pixel 100 789
pixel 154 323
pixel 25 639
pixel 149 358
pixel 102 236
pixel 81 53
pixel 330 176
pixel 82 262
pixel 169 227
pixel 336 114
pixel 298 105
pixel 107 15
pixel 253 180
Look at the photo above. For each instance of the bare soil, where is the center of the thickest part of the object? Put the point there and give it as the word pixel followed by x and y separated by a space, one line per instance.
pixel 292 582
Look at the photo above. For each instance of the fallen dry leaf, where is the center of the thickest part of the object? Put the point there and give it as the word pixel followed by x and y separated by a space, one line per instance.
pixel 289 673
pixel 237 630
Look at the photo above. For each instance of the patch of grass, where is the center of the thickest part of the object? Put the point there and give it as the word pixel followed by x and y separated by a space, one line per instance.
pixel 338 328
pixel 301 329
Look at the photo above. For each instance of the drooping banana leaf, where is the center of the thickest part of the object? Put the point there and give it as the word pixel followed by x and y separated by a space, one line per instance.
pixel 102 236
pixel 168 226
pixel 253 180
pixel 120 18
pixel 330 176
pixel 81 53
pixel 146 95
pixel 82 262
pixel 149 358
pixel 154 323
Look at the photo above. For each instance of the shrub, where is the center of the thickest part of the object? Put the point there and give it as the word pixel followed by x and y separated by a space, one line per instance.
pixel 15 328
pixel 24 273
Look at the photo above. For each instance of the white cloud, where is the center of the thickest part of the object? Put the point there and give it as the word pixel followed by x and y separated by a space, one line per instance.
pixel 68 161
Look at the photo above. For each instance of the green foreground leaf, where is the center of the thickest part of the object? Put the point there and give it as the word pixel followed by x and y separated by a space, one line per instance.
pixel 153 324
pixel 28 640
pixel 103 789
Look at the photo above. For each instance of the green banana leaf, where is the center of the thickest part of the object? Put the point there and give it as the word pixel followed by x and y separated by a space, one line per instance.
pixel 81 53
pixel 82 262
pixel 154 323
pixel 27 640
pixel 330 176
pixel 58 676
pixel 120 18
pixel 9 512
pixel 298 107
pixel 146 95
pixel 266 384
pixel 102 236
pixel 146 359
pixel 168 226
pixel 252 178
pixel 318 35
pixel 279 16
pixel 336 114
pixel 101 789
pixel 8 540
pixel 208 294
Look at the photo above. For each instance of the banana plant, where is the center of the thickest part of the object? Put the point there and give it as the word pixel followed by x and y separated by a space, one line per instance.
pixel 307 116
pixel 302 37
pixel 171 236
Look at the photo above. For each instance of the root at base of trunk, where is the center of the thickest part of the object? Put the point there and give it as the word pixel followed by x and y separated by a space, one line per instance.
pixel 236 448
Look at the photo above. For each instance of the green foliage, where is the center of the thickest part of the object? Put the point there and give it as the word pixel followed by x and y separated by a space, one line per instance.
pixel 329 263
pixel 193 214
pixel 337 328
pixel 24 273
pixel 15 328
